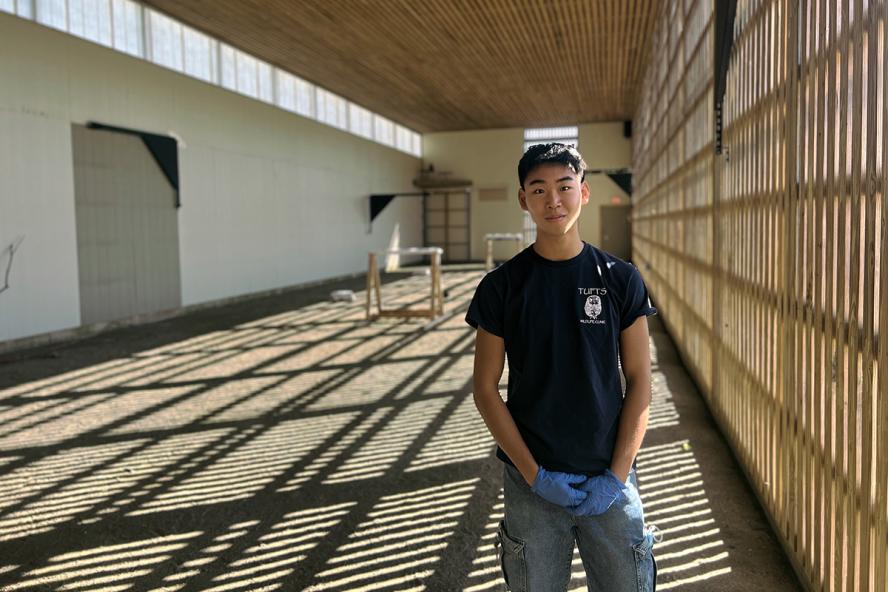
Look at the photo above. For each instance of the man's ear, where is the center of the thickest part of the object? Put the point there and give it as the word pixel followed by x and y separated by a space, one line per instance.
pixel 584 192
pixel 522 199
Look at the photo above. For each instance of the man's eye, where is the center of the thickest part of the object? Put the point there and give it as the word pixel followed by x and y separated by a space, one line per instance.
pixel 566 188
pixel 537 191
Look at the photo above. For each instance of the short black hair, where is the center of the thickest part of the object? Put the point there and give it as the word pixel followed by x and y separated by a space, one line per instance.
pixel 551 153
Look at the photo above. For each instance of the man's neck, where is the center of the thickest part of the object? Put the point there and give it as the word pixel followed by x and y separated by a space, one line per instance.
pixel 558 248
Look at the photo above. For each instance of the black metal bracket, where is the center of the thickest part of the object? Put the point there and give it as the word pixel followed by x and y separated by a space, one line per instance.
pixel 725 13
pixel 378 202
pixel 164 150
pixel 622 177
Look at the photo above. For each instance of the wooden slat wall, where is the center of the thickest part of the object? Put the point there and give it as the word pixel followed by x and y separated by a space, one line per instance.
pixel 766 261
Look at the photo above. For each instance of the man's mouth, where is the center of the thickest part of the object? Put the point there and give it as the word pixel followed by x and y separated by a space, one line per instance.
pixel 552 218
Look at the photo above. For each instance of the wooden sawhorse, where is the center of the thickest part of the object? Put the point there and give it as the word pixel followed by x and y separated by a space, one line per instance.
pixel 374 285
pixel 499 236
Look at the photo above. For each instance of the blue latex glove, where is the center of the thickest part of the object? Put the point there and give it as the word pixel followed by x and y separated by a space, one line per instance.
pixel 558 488
pixel 603 490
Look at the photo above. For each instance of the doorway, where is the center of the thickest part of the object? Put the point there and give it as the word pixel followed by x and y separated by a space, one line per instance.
pixel 446 216
pixel 616 232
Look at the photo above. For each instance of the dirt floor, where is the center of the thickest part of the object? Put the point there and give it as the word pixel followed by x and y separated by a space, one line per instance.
pixel 285 443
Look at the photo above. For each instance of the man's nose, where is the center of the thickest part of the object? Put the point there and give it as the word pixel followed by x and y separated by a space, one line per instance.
pixel 553 199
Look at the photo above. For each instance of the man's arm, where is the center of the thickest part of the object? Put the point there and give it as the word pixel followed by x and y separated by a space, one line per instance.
pixel 635 358
pixel 490 355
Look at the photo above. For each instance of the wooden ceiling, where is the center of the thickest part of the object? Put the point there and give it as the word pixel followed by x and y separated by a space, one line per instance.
pixel 436 65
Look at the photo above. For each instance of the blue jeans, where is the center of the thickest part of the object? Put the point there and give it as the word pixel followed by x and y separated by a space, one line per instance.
pixel 536 542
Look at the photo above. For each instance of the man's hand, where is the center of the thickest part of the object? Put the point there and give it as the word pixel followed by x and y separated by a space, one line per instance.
pixel 602 491
pixel 558 488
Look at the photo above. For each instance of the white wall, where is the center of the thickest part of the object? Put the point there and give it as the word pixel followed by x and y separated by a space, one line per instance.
pixel 603 147
pixel 36 202
pixel 489 158
pixel 269 199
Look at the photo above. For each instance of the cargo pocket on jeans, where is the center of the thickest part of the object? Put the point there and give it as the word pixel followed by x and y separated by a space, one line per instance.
pixel 511 556
pixel 645 566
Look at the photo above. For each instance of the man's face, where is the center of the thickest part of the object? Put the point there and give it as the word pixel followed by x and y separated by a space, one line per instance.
pixel 553 196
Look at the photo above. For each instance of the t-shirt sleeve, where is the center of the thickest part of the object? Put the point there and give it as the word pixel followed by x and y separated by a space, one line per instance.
pixel 637 301
pixel 487 308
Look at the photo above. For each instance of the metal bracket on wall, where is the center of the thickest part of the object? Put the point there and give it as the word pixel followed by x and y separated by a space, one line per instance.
pixel 378 202
pixel 725 13
pixel 164 150
pixel 622 177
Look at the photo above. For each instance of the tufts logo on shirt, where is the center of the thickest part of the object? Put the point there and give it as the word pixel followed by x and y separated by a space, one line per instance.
pixel 593 305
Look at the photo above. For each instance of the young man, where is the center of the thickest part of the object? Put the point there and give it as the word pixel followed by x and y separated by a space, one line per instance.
pixel 564 312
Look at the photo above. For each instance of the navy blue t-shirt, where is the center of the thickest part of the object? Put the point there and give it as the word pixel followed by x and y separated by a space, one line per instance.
pixel 561 324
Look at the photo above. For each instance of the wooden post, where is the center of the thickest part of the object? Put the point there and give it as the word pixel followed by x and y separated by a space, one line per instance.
pixel 440 287
pixel 377 287
pixel 371 281
pixel 438 301
pixel 433 297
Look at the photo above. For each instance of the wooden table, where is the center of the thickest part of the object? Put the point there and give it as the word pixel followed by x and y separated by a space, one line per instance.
pixel 374 285
pixel 500 236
